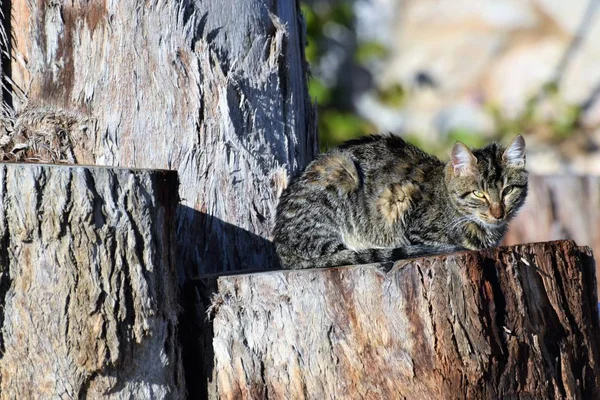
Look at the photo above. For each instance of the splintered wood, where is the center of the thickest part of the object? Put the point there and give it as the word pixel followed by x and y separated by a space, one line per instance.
pixel 220 96
pixel 513 322
pixel 559 207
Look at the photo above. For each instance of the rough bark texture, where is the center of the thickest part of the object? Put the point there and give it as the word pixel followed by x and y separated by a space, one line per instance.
pixel 560 207
pixel 5 60
pixel 88 283
pixel 216 92
pixel 518 322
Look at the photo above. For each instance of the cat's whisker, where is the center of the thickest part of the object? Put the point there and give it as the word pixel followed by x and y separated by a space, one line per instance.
pixel 460 221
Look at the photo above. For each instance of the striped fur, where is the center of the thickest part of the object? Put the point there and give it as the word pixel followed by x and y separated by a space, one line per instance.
pixel 379 199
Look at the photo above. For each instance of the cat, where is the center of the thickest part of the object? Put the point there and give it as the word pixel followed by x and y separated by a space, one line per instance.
pixel 379 198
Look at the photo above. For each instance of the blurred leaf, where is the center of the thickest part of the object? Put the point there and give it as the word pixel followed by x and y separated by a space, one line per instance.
pixel 469 138
pixel 566 124
pixel 393 96
pixel 550 88
pixel 309 14
pixel 369 51
pixel 336 127
pixel 312 51
pixel 312 22
pixel 342 14
pixel 317 90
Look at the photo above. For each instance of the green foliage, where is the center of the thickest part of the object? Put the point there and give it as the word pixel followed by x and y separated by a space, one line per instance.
pixel 338 121
pixel 318 91
pixel 342 126
pixel 393 96
pixel 510 126
pixel 341 13
pixel 441 149
pixel 568 121
pixel 469 138
pixel 546 114
pixel 369 51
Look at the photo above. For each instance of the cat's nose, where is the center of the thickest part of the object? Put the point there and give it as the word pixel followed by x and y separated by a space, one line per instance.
pixel 496 210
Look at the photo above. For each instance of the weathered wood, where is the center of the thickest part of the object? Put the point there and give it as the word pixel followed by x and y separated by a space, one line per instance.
pixel 517 322
pixel 560 207
pixel 5 59
pixel 88 283
pixel 217 92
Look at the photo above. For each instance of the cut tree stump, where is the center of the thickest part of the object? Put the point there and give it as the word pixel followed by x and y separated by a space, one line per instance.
pixel 559 207
pixel 512 322
pixel 88 287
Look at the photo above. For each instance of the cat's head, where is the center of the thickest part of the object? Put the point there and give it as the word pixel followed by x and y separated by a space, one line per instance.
pixel 488 185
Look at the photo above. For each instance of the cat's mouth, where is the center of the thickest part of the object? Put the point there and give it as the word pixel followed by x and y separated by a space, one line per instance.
pixel 491 221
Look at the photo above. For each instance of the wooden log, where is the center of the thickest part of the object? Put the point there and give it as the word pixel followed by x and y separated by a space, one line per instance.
pixel 88 287
pixel 513 322
pixel 216 92
pixel 560 207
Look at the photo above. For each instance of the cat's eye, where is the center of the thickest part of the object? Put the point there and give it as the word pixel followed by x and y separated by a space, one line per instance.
pixel 507 190
pixel 478 193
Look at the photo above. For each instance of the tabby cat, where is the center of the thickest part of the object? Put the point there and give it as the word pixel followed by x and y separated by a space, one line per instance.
pixel 379 199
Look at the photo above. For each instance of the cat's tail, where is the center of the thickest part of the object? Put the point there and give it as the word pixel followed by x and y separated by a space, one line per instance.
pixel 370 256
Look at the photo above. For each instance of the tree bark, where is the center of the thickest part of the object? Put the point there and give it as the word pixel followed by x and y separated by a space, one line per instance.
pixel 517 322
pixel 88 283
pixel 5 60
pixel 560 207
pixel 216 92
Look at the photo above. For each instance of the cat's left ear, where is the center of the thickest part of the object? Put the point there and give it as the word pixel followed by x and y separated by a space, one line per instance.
pixel 514 154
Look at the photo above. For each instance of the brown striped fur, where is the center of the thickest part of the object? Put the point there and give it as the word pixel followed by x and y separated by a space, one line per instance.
pixel 379 198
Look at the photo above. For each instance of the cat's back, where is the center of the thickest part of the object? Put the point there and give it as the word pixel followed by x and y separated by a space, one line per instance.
pixel 376 147
pixel 360 161
pixel 386 158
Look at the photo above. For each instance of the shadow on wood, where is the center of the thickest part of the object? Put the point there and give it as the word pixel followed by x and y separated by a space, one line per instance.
pixel 195 326
pixel 88 288
pixel 219 96
pixel 510 322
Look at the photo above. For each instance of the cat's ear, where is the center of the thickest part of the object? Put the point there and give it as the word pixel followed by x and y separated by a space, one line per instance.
pixel 514 154
pixel 463 161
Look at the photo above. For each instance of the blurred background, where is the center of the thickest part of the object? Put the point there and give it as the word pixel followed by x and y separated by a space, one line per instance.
pixel 437 71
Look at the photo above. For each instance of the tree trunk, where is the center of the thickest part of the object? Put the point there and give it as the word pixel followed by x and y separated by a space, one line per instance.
pixel 560 207
pixel 216 92
pixel 5 60
pixel 91 307
pixel 518 322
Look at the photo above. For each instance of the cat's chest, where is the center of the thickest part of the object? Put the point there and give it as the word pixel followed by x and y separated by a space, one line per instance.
pixel 358 242
pixel 477 237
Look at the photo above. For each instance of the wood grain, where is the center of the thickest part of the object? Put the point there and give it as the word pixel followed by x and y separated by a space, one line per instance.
pixel 560 207
pixel 88 283
pixel 220 96
pixel 515 322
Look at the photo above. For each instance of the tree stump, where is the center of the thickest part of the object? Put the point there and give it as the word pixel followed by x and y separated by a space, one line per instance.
pixel 88 286
pixel 219 96
pixel 512 322
pixel 560 207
